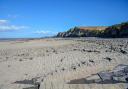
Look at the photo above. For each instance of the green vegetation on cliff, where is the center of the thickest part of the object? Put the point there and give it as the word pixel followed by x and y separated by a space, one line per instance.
pixel 118 30
pixel 114 31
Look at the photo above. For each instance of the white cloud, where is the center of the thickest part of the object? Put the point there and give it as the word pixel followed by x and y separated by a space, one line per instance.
pixel 5 26
pixel 12 16
pixel 11 27
pixel 45 32
pixel 3 21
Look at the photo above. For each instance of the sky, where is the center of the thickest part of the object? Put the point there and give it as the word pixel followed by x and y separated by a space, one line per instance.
pixel 39 18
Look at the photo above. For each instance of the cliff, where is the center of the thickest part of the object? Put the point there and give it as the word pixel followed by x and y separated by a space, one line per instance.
pixel 118 30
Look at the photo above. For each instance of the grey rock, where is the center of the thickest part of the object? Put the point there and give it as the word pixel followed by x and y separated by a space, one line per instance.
pixel 105 76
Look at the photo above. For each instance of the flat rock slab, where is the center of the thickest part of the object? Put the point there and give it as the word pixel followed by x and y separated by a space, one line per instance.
pixel 105 75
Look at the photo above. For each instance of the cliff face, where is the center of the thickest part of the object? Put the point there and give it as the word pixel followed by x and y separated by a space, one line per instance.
pixel 81 32
pixel 118 30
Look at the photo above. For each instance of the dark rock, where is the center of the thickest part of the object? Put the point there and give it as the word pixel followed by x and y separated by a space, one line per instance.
pixel 63 69
pixel 120 70
pixel 42 80
pixel 91 61
pixel 47 51
pixel 61 60
pixel 122 51
pixel 73 67
pixel 38 86
pixel 105 76
pixel 79 65
pixel 126 79
pixel 91 51
pixel 20 59
pixel 9 65
pixel 55 70
pixel 108 58
pixel 30 58
pixel 51 73
pixel 83 62
pixel 75 49
pixel 83 50
pixel 117 75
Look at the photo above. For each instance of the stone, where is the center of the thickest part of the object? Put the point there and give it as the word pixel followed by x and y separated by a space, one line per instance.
pixel 105 76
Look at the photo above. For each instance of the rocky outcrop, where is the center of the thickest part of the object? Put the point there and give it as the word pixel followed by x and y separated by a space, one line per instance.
pixel 118 30
pixel 118 75
pixel 81 32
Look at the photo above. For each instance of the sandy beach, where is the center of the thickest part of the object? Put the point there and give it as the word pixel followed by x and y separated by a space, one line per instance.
pixel 52 63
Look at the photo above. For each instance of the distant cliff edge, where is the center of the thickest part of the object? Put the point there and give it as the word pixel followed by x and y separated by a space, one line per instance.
pixel 114 31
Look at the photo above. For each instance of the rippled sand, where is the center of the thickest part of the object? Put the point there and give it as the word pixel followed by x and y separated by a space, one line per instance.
pixel 52 63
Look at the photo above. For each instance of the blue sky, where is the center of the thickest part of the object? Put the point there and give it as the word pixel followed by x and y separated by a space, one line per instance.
pixel 38 18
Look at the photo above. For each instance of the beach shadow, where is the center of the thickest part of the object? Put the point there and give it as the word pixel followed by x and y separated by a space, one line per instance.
pixel 35 85
pixel 92 81
pixel 25 82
